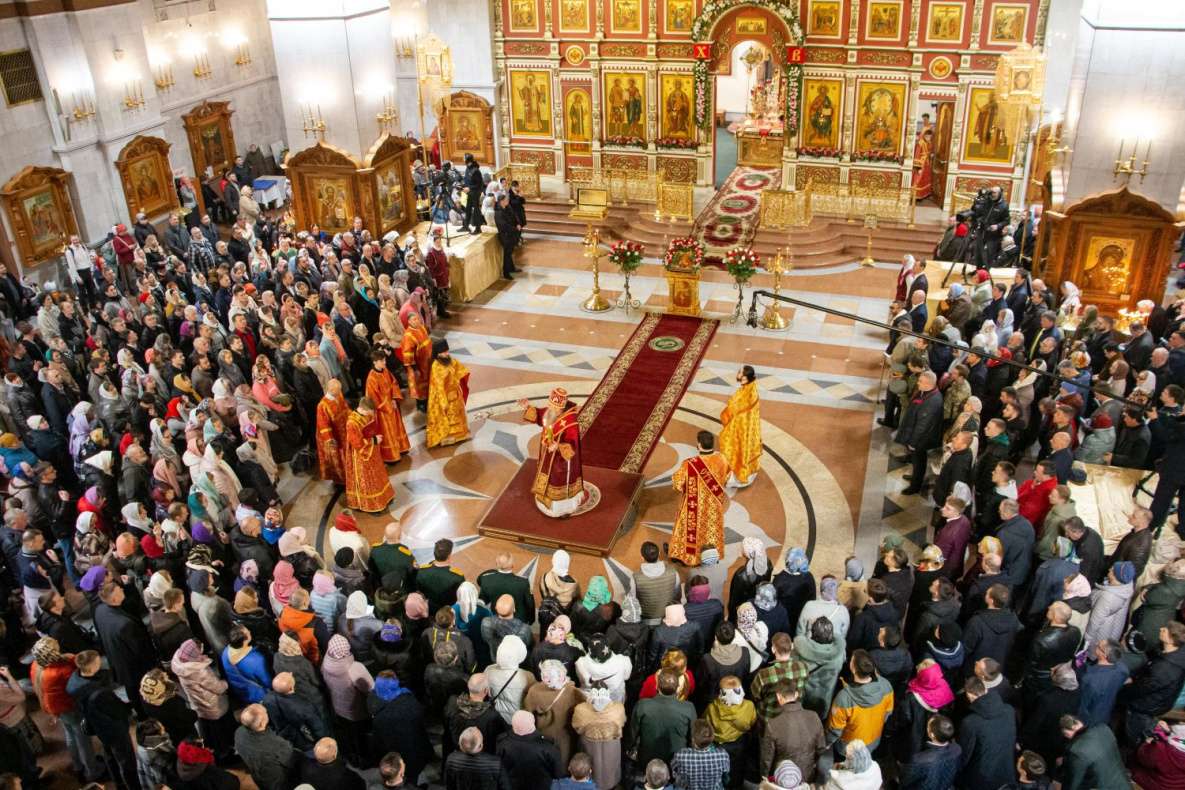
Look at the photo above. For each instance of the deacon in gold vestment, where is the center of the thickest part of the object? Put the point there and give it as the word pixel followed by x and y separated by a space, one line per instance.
pixel 367 486
pixel 447 394
pixel 382 388
pixel 700 522
pixel 416 354
pixel 559 476
pixel 740 438
pixel 332 412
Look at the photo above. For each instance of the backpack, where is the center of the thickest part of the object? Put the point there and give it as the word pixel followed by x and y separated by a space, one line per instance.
pixel 549 609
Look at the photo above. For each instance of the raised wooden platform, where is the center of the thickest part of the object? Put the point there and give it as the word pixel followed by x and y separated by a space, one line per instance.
pixel 827 241
pixel 515 517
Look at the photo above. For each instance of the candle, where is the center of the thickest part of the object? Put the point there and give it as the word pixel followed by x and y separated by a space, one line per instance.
pixel 1119 156
pixel 1148 153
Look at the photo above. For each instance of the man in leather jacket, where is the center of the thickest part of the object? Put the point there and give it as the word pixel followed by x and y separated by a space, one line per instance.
pixel 995 218
pixel 1054 644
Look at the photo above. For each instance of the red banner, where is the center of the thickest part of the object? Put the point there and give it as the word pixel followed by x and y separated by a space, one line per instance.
pixel 703 51
pixel 795 54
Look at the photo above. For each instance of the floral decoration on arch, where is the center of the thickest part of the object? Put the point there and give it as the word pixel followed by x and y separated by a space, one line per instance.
pixel 701 28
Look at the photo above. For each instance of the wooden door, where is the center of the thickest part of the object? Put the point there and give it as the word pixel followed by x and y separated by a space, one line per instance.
pixel 942 152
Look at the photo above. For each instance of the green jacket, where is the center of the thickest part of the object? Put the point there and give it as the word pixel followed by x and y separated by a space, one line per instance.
pixel 388 557
pixel 439 585
pixel 1093 761
pixel 660 726
pixel 493 584
pixel 1161 602
pixel 1052 529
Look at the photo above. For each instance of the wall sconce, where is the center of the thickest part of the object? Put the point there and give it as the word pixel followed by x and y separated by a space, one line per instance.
pixel 242 54
pixel 389 114
pixel 164 77
pixel 84 106
pixel 133 96
pixel 1127 167
pixel 201 68
pixel 312 123
pixel 405 46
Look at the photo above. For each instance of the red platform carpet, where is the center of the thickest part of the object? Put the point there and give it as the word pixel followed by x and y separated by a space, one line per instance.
pixel 621 422
pixel 623 419
pixel 731 218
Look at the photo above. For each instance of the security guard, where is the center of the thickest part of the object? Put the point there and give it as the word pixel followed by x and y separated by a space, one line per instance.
pixel 502 580
pixel 391 556
pixel 436 580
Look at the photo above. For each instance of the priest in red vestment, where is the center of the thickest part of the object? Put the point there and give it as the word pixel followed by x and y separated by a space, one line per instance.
pixel 332 412
pixel 700 522
pixel 923 171
pixel 559 481
pixel 416 354
pixel 382 388
pixel 367 486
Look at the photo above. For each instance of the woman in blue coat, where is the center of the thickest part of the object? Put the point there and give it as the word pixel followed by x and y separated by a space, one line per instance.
pixel 245 668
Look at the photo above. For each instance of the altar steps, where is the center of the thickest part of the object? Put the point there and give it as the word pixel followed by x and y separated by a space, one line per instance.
pixel 826 242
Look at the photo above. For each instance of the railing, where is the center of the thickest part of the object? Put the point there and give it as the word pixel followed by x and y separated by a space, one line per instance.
pixel 855 201
pixel 640 186
pixel 676 201
pixel 782 208
pixel 527 176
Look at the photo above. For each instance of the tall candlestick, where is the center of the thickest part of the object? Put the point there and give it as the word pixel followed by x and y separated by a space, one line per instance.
pixel 1119 156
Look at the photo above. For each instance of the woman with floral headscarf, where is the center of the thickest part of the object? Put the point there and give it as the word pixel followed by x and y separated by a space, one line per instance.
pixel 349 683
pixel 600 721
pixel 749 576
pixel 162 702
pixel 769 611
pixel 552 701
pixel 753 634
pixel 826 605
pixel 858 771
pixel 732 718
pixel 795 584
pixel 215 468
pixel 594 614
pixel 206 692
pixel 554 646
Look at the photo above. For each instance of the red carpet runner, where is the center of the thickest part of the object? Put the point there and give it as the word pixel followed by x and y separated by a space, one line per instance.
pixel 732 217
pixel 624 418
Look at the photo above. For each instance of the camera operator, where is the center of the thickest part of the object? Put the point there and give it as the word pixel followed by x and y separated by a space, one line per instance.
pixel 992 219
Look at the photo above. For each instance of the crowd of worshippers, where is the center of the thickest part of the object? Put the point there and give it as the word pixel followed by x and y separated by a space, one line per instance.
pixel 971 399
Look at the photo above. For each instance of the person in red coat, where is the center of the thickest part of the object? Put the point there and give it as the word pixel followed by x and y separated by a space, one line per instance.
pixel 437 261
pixel 1160 760
pixel 124 245
pixel 1033 495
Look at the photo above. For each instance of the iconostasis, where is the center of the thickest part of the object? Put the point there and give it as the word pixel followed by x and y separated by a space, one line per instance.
pixel 633 84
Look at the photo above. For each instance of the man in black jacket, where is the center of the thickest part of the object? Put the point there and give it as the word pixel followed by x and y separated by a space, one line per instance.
pixel 990 632
pixel 987 736
pixel 126 642
pixel 473 711
pixel 106 716
pixel 324 769
pixel 921 430
pixel 1131 446
pixel 1136 546
pixel 136 479
pixel 176 238
pixel 476 186
pixel 54 623
pixel 247 542
pixel 530 758
pixel 471 768
pixel 1154 691
pixel 1088 545
pixel 509 233
pixel 993 221
pixel 294 717
pixel 1054 644
pixel 1170 430
pixel 957 469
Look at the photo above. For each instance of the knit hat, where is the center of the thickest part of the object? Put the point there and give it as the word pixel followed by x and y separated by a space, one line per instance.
pixel 787 774
pixel 853 570
pixel 93 579
pixel 1125 572
pixel 390 633
pixel 339 646
pixel 709 556
pixel 356 606
pixel 631 610
pixel 47 651
pixel 344 557
pixel 346 522
pixel 189 651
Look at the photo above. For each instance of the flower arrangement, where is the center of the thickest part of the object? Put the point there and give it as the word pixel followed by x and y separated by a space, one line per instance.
pixel 622 141
pixel 741 263
pixel 676 143
pixel 818 152
pixel 684 255
pixel 626 256
pixel 877 156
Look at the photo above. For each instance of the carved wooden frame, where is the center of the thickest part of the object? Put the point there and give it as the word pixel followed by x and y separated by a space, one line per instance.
pixel 388 151
pixel 464 100
pixel 25 184
pixel 207 114
pixel 147 149
pixel 305 169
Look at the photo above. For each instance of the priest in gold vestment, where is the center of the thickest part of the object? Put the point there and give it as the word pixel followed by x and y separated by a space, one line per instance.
pixel 740 438
pixel 700 522
pixel 447 394
pixel 559 477
pixel 416 353
pixel 332 412
pixel 367 486
pixel 382 388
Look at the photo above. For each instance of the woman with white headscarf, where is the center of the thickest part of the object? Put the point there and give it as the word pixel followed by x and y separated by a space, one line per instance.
pixel 904 278
pixel 858 771
pixel 557 583
pixel 224 478
pixel 508 683
pixel 749 576
pixel 753 634
pixel 1004 330
pixel 1071 302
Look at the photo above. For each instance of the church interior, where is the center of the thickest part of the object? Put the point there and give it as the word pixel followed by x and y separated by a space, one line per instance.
pixel 707 186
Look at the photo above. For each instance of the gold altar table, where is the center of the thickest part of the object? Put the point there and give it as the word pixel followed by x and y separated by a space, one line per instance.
pixel 759 144
pixel 474 262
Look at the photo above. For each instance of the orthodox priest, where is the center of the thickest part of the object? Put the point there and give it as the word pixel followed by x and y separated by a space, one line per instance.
pixel 384 391
pixel 447 394
pixel 416 354
pixel 367 487
pixel 332 412
pixel 740 438
pixel 700 521
pixel 559 482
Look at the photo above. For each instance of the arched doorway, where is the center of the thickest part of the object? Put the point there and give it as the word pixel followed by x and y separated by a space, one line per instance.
pixel 748 84
pixel 723 35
